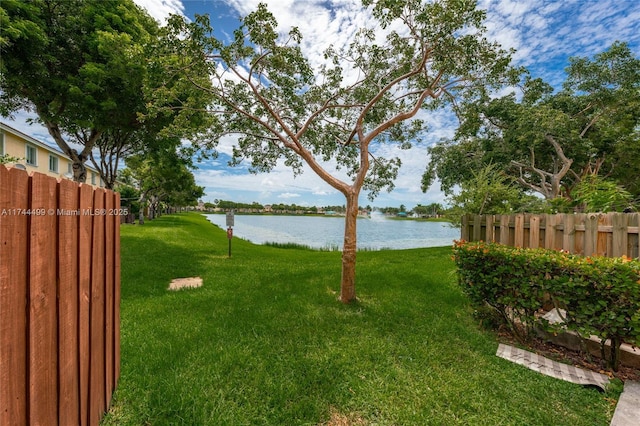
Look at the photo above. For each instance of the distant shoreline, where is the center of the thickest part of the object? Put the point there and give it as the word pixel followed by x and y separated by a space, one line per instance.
pixel 390 217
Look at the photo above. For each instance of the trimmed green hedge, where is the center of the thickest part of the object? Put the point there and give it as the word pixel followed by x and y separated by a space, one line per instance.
pixel 601 295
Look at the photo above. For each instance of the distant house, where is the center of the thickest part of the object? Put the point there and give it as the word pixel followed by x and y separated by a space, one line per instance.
pixel 402 214
pixel 36 156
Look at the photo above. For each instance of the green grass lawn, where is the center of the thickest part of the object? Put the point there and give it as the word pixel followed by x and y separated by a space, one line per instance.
pixel 265 341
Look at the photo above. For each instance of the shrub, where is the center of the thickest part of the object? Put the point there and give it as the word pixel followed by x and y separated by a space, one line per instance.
pixel 601 296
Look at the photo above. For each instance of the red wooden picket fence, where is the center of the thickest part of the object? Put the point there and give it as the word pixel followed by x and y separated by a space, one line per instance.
pixel 587 234
pixel 59 300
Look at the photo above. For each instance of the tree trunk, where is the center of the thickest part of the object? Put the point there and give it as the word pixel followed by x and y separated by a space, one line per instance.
pixel 153 207
pixel 550 182
pixel 79 169
pixel 78 159
pixel 348 282
pixel 142 202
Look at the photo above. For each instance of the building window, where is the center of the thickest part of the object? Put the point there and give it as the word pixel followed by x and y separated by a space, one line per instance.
pixel 32 155
pixel 1 143
pixel 53 163
pixel 70 168
pixel 93 178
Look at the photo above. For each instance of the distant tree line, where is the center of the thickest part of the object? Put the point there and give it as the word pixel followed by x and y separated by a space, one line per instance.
pixel 232 205
pixel 275 208
pixel 429 210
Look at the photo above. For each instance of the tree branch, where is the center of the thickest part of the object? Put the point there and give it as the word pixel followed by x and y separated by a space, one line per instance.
pixel 548 190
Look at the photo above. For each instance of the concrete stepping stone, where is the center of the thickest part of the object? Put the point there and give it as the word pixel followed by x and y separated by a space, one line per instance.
pixel 191 282
pixel 628 409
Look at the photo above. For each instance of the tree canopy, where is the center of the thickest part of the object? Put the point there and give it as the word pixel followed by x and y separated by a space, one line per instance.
pixel 419 57
pixel 550 142
pixel 78 64
pixel 161 177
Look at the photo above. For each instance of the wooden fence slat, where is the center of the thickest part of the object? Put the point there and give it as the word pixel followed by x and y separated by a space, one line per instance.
pixel 96 315
pixel 620 237
pixel 534 231
pixel 68 217
pixel 634 249
pixel 464 228
pixel 519 231
pixel 591 234
pixel 43 327
pixel 504 229
pixel 14 198
pixel 477 228
pixel 569 234
pixel 85 237
pixel 490 227
pixel 604 240
pixel 109 258
pixel 116 313
pixel 549 231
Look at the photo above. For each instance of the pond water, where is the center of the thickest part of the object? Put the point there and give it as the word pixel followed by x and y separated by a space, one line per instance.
pixel 375 233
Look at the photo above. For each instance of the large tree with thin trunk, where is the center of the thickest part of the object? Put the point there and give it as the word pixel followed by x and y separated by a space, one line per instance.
pixel 417 57
pixel 78 64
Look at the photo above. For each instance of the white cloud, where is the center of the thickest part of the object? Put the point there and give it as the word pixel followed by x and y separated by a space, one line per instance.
pixel 546 33
pixel 322 23
pixel 288 195
pixel 161 9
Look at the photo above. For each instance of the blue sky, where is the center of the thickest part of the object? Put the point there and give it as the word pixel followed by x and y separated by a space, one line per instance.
pixel 545 34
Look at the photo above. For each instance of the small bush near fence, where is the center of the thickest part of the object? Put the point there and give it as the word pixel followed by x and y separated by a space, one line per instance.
pixel 601 295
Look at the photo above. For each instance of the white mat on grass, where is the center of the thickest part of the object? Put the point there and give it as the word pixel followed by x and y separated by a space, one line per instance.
pixel 552 368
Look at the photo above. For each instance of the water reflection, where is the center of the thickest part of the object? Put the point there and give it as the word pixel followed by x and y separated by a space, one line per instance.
pixel 375 233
